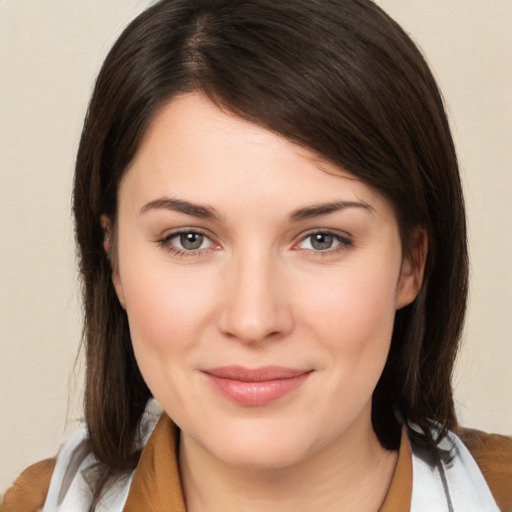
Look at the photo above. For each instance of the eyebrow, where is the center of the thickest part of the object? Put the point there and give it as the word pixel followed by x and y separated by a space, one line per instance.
pixel 208 212
pixel 318 210
pixel 180 205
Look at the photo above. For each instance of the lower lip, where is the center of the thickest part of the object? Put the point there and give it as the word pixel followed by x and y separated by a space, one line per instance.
pixel 255 393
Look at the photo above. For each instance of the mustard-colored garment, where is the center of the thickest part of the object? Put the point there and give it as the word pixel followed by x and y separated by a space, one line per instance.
pixel 156 484
pixel 28 492
pixel 493 454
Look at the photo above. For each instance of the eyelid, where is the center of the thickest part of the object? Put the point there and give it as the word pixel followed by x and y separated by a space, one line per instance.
pixel 165 241
pixel 187 229
pixel 345 239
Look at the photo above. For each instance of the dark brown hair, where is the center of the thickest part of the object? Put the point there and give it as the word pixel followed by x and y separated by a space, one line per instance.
pixel 336 76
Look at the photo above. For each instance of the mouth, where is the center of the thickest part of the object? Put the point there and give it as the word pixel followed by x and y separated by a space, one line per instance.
pixel 255 386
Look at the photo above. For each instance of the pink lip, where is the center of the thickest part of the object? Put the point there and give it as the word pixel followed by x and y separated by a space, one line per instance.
pixel 258 386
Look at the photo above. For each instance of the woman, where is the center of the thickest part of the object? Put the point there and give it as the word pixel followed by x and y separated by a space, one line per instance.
pixel 272 243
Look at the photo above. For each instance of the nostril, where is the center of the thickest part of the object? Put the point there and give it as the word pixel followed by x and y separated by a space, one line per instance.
pixel 253 306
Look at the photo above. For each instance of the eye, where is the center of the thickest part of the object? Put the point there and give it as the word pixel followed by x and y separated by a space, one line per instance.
pixel 321 241
pixel 324 241
pixel 191 241
pixel 186 242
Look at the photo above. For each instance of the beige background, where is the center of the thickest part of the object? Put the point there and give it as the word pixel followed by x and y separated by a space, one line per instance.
pixel 50 52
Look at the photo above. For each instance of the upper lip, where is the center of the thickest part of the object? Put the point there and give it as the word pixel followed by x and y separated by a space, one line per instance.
pixel 261 374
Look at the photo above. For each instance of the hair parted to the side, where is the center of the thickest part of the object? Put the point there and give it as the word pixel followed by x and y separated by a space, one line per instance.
pixel 336 76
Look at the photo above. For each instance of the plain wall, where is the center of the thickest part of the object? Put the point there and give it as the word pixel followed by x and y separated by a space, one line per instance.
pixel 50 53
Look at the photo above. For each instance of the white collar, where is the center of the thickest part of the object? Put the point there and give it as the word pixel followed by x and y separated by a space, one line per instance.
pixel 448 479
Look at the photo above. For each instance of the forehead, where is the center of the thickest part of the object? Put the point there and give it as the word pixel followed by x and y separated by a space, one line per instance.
pixel 194 150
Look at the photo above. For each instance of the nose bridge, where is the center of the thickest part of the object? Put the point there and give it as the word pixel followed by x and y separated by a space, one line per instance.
pixel 255 305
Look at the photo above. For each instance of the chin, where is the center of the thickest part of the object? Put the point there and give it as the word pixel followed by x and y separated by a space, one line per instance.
pixel 270 456
pixel 263 446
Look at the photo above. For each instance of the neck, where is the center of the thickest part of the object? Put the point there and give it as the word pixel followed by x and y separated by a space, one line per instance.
pixel 351 474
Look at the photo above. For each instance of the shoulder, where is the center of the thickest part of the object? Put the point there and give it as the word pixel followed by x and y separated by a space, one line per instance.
pixel 28 492
pixel 33 488
pixel 67 481
pixel 493 454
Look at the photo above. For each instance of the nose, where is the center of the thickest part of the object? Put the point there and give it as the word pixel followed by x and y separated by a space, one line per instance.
pixel 255 304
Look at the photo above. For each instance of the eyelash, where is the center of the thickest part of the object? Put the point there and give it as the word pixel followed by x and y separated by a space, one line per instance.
pixel 344 242
pixel 165 242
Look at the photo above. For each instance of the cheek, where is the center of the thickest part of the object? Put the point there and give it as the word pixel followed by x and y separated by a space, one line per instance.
pixel 353 315
pixel 167 313
pixel 166 309
pixel 355 303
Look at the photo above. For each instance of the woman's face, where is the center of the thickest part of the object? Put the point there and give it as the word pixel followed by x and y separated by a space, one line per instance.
pixel 260 289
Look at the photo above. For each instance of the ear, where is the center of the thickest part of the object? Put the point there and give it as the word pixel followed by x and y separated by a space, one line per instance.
pixel 105 225
pixel 413 268
pixel 107 246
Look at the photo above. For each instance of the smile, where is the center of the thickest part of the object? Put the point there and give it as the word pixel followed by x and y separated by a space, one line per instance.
pixel 256 387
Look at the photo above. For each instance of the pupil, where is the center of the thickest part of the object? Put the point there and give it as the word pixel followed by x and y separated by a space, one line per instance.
pixel 191 241
pixel 322 241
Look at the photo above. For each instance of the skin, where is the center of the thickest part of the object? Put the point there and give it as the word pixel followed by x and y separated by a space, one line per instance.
pixel 260 291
